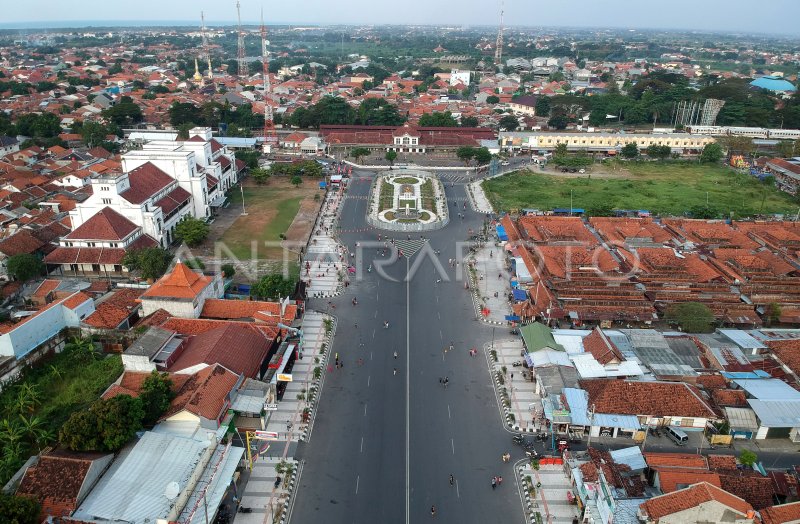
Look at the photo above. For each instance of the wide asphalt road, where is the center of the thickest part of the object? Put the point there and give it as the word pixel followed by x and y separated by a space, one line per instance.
pixel 383 444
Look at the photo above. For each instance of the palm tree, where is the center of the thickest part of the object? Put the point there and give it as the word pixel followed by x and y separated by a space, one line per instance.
pixel 28 397
pixel 10 432
pixel 55 372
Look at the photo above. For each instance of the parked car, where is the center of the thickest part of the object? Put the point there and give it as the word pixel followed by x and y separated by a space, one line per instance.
pixel 505 163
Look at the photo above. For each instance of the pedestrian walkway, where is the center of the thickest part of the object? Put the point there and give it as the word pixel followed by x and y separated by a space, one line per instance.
pixel 324 264
pixel 550 501
pixel 490 284
pixel 266 502
pixel 523 401
pixel 480 202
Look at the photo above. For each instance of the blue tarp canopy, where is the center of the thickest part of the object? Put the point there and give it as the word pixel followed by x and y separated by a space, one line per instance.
pixel 528 359
pixel 520 294
pixel 512 318
pixel 322 185
pixel 501 232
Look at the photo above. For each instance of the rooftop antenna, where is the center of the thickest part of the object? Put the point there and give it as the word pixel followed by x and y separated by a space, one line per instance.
pixel 498 46
pixel 240 56
pixel 206 51
pixel 270 137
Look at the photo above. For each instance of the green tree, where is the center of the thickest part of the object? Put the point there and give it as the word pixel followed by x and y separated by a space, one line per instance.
pixel 107 425
pixel 156 394
pixel 692 317
pixel 296 180
pixel 248 156
pixel 543 106
pixel 229 270
pixel 151 261
pixel 24 267
pixel 773 313
pixel 788 148
pixel 359 152
pixel 192 231
pixel 560 149
pixel 558 122
pixel 748 458
pixel 465 154
pixel 391 156
pixel 260 175
pixel 712 153
pixel 509 123
pixel 17 509
pixel 630 150
pixel 378 112
pixel 93 133
pixel 124 113
pixel 659 152
pixel 492 99
pixel 469 121
pixel 181 113
pixel 482 155
pixel 273 286
pixel 436 119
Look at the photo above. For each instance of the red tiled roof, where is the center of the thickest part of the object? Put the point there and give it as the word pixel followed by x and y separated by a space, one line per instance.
pixel 97 255
pixel 23 242
pixel 106 224
pixel 196 326
pixel 145 181
pixel 673 479
pixel 556 229
pixel 729 397
pixel 601 347
pixel 238 309
pixel 114 310
pixel 758 491
pixel 676 460
pixel 671 503
pixel 788 352
pixel 239 347
pixel 205 393
pixel 173 200
pixel 56 482
pixel 621 230
pixel 782 514
pixel 46 287
pixel 721 462
pixel 181 282
pixel 647 398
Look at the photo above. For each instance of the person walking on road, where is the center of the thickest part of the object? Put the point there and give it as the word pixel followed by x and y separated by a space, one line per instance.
pixel 395 371
pixel 395 355
pixel 452 479
pixel 494 482
pixel 433 511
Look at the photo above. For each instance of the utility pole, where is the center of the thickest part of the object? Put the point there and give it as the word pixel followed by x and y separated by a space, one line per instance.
pixel 498 47
pixel 206 51
pixel 591 423
pixel 241 187
pixel 270 137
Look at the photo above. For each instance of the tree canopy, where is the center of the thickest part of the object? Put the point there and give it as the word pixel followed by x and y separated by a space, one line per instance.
pixel 692 317
pixel 272 287
pixel 24 267
pixel 107 425
pixel 712 153
pixel 436 119
pixel 156 394
pixel 151 261
pixel 17 509
pixel 192 230
pixel 124 113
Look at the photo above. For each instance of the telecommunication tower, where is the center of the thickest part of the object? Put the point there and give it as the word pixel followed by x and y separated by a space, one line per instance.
pixel 206 51
pixel 498 47
pixel 270 136
pixel 241 56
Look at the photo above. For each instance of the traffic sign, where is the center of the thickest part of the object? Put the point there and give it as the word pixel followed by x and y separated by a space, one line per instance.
pixel 284 377
pixel 270 407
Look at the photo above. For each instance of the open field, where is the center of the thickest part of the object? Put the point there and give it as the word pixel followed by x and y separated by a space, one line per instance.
pixel 662 188
pixel 272 209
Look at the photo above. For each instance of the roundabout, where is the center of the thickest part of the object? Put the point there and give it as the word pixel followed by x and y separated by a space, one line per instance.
pixel 408 201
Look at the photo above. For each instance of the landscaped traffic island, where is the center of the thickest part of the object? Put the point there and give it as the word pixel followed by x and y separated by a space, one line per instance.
pixel 408 201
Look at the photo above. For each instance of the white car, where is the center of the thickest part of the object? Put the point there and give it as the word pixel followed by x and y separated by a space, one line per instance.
pixel 505 163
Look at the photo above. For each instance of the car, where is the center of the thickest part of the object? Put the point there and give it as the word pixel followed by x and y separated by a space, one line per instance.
pixel 581 171
pixel 505 163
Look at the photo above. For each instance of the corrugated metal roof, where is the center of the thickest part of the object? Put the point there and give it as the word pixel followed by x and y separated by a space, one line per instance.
pixel 741 418
pixel 134 491
pixel 631 457
pixel 221 467
pixel 742 339
pixel 588 367
pixel 611 420
pixel 777 413
pixel 570 340
pixel 768 389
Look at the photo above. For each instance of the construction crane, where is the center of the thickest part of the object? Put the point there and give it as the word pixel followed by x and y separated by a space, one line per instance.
pixel 206 50
pixel 498 46
pixel 270 136
pixel 241 54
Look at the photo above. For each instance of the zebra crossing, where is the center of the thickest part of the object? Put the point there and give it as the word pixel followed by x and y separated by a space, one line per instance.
pixel 410 247
pixel 456 177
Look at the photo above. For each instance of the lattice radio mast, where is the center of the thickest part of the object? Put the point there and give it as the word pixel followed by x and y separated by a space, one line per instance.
pixel 270 136
pixel 498 47
pixel 241 56
pixel 206 51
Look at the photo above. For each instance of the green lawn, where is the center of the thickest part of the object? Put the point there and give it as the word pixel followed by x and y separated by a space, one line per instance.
pixel 662 188
pixel 270 211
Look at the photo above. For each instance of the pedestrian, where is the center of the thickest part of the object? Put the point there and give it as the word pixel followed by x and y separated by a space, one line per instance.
pixel 395 371
pixel 452 479
pixel 512 376
pixel 395 355
pixel 499 481
pixel 494 482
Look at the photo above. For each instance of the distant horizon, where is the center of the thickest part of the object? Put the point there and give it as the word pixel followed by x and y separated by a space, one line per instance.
pixel 88 24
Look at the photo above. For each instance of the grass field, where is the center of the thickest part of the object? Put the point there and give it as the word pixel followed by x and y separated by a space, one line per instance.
pixel 662 188
pixel 271 210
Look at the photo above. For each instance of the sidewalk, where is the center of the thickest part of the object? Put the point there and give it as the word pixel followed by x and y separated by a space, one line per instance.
pixel 323 266
pixel 478 198
pixel 489 291
pixel 268 504
pixel 517 392
pixel 550 500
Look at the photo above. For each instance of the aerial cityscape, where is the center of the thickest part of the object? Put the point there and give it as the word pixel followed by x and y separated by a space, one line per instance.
pixel 466 262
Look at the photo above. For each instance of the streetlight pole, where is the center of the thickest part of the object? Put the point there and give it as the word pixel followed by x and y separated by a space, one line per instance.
pixel 570 202
pixel 244 212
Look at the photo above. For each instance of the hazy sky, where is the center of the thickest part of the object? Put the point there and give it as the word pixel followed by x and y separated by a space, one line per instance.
pixel 765 16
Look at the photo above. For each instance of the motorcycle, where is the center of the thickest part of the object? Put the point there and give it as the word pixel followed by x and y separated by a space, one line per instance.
pixel 517 364
pixel 532 454
pixel 244 509
pixel 518 439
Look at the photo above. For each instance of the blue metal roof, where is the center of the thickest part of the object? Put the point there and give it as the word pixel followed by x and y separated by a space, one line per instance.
pixel 773 83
